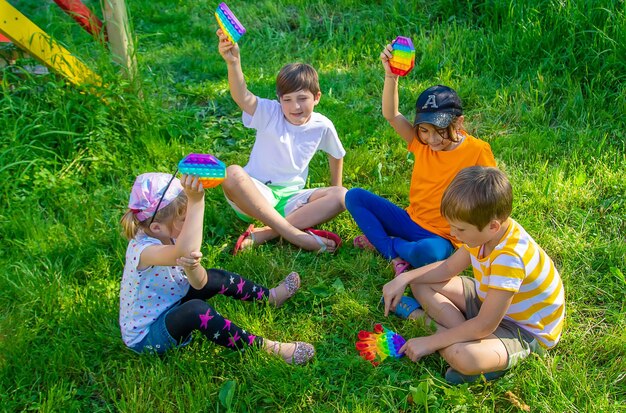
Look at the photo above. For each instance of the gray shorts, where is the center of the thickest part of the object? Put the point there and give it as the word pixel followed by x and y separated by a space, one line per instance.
pixel 518 342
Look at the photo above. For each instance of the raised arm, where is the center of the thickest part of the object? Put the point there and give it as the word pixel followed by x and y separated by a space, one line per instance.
pixel 189 240
pixel 246 100
pixel 336 171
pixel 400 124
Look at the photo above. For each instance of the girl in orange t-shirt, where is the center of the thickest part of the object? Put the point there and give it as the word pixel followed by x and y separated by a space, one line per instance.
pixel 418 235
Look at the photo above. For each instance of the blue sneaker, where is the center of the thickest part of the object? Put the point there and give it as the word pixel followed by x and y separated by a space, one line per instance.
pixel 405 307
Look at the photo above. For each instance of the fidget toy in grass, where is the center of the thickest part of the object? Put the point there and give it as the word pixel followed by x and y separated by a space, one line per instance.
pixel 403 56
pixel 378 345
pixel 211 170
pixel 229 24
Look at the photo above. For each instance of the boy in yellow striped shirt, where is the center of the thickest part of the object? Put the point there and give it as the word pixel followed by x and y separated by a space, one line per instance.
pixel 513 306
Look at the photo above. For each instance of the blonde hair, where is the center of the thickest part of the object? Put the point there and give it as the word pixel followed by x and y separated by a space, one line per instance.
pixel 175 209
pixel 297 76
pixel 477 195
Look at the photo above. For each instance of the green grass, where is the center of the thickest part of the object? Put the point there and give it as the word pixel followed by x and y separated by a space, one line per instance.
pixel 543 82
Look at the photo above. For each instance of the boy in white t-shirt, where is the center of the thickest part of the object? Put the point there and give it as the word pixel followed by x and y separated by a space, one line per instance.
pixel 270 188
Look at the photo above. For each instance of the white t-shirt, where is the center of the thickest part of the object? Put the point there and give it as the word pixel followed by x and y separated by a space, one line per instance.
pixel 146 294
pixel 282 151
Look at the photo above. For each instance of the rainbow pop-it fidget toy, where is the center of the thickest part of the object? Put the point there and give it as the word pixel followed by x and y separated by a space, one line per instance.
pixel 229 24
pixel 403 56
pixel 211 170
pixel 377 346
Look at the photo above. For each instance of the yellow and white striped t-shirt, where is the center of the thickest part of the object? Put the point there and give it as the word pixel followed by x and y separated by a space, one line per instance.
pixel 518 264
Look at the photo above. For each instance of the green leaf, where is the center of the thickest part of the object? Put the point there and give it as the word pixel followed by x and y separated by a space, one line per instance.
pixel 321 291
pixel 227 392
pixel 338 285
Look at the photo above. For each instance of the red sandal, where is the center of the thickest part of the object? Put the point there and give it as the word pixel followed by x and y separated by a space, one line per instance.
pixel 242 238
pixel 325 234
pixel 361 242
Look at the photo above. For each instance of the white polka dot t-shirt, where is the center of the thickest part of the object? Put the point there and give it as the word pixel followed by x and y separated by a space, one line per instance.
pixel 145 294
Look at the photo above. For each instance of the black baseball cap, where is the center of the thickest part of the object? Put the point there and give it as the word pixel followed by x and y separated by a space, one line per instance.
pixel 437 105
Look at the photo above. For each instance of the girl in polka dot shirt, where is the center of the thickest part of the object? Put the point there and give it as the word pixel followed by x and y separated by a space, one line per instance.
pixel 164 289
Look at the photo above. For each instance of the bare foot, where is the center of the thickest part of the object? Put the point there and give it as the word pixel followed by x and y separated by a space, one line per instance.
pixel 248 242
pixel 261 235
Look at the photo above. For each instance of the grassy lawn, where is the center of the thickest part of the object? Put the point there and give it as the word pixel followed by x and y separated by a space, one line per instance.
pixel 544 82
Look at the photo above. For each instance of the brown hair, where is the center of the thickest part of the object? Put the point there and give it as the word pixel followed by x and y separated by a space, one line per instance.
pixel 175 209
pixel 451 128
pixel 478 195
pixel 297 76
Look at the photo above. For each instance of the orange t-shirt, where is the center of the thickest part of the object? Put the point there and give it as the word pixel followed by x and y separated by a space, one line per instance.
pixel 433 172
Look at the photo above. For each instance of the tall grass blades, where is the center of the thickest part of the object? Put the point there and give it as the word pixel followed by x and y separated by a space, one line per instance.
pixel 543 82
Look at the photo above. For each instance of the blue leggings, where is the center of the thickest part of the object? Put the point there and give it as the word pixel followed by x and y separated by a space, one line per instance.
pixel 392 231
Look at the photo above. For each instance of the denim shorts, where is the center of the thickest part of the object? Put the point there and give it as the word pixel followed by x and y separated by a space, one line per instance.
pixel 518 342
pixel 158 340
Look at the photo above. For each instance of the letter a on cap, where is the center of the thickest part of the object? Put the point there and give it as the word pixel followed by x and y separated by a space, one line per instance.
pixel 431 102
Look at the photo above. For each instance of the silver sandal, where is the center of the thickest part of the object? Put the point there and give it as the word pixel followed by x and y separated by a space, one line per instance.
pixel 302 353
pixel 291 283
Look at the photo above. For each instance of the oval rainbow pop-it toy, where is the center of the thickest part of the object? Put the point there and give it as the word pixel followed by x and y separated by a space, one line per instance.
pixel 403 56
pixel 229 24
pixel 378 345
pixel 211 170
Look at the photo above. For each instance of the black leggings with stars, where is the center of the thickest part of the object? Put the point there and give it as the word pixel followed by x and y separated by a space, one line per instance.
pixel 194 313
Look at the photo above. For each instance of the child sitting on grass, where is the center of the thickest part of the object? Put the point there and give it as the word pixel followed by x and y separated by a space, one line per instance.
pixel 270 188
pixel 513 306
pixel 418 235
pixel 164 288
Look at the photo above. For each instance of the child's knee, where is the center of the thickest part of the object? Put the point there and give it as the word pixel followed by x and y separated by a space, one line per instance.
pixel 422 292
pixel 353 197
pixel 461 360
pixel 234 174
pixel 195 306
pixel 426 253
pixel 338 193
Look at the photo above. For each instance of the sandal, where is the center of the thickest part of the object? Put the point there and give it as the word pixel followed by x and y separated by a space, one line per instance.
pixel 302 353
pixel 400 267
pixel 318 234
pixel 246 234
pixel 291 284
pixel 361 242
pixel 405 307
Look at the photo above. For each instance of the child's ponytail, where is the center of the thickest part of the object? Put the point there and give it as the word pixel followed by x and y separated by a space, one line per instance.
pixel 176 209
pixel 130 224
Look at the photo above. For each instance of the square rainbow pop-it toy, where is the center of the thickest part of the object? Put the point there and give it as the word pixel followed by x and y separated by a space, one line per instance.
pixel 211 170
pixel 403 56
pixel 229 24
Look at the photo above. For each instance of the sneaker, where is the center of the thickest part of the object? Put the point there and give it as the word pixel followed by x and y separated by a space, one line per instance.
pixel 454 377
